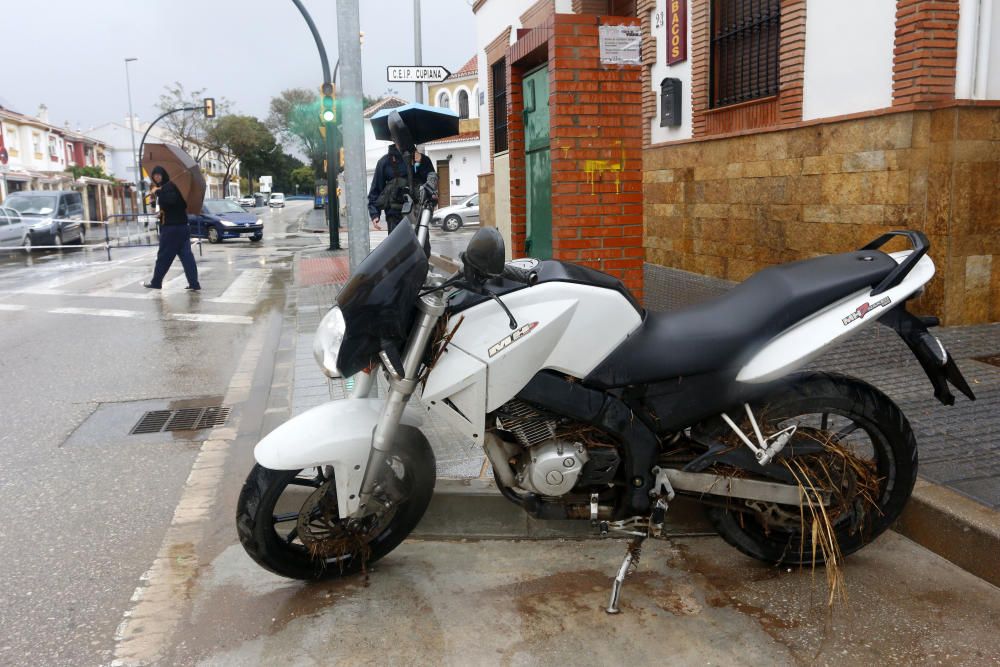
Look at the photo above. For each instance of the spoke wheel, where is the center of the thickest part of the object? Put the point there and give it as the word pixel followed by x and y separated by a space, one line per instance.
pixel 866 462
pixel 289 523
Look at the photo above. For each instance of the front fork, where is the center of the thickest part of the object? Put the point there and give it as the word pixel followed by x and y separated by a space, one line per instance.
pixel 431 307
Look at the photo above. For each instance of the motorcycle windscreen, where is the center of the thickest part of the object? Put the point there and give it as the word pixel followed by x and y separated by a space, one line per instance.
pixel 379 301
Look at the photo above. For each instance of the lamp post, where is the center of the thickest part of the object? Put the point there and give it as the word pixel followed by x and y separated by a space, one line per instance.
pixel 131 120
pixel 333 206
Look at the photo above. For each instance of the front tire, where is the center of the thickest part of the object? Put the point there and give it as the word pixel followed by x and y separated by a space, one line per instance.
pixel 451 224
pixel 856 417
pixel 214 235
pixel 256 238
pixel 268 518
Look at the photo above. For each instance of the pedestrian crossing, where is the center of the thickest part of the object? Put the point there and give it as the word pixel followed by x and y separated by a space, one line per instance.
pixel 89 290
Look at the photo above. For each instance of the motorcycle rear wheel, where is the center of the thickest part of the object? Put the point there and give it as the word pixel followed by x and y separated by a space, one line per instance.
pixel 272 510
pixel 857 417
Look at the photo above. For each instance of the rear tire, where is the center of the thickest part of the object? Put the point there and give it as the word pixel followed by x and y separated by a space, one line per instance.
pixel 451 224
pixel 881 428
pixel 290 558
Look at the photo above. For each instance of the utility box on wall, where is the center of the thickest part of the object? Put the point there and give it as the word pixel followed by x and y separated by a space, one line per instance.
pixel 670 103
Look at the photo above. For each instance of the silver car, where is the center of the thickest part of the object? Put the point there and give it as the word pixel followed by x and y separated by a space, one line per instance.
pixel 452 218
pixel 13 229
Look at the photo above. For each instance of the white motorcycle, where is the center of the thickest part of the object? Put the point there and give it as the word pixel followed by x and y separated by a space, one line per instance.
pixel 590 407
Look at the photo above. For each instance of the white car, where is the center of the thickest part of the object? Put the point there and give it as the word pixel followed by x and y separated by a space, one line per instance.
pixel 277 199
pixel 451 218
pixel 247 201
pixel 13 230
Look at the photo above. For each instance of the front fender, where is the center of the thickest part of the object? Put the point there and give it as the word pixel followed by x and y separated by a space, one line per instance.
pixel 337 434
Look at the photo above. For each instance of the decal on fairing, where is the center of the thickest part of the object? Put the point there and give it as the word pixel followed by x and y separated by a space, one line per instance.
pixel 866 308
pixel 512 338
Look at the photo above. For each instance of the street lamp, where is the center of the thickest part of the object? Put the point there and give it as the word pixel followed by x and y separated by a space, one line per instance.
pixel 131 119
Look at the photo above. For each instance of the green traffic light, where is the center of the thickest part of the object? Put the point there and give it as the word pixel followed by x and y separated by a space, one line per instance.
pixel 328 115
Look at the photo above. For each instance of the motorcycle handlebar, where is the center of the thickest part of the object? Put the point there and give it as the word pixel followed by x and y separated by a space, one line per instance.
pixel 519 275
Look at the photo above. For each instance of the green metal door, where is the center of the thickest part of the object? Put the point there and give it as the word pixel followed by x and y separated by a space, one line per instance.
pixel 539 172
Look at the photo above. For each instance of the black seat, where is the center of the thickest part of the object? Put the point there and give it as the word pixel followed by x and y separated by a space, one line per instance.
pixel 721 333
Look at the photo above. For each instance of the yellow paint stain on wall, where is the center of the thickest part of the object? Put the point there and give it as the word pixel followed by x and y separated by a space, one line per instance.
pixel 594 168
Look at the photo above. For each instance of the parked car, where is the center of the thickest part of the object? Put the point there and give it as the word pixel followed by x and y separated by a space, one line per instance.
pixel 13 229
pixel 451 218
pixel 55 217
pixel 221 219
pixel 247 201
pixel 277 200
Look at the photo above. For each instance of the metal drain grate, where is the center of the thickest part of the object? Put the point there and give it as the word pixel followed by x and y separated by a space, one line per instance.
pixel 187 419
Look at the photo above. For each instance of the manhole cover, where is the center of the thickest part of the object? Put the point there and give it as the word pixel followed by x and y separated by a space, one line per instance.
pixel 186 419
pixel 993 360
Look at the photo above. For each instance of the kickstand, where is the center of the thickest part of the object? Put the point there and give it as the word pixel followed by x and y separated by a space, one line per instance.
pixel 629 564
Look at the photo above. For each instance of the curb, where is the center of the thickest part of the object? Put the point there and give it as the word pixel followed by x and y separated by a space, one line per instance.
pixel 474 509
pixel 954 527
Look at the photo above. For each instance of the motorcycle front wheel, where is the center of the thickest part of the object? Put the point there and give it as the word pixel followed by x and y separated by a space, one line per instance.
pixel 868 466
pixel 288 522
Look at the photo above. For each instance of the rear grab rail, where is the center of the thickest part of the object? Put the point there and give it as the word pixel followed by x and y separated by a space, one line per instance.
pixel 920 247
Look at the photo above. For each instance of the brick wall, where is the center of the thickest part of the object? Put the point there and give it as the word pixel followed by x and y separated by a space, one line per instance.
pixel 596 152
pixel 923 65
pixel 728 207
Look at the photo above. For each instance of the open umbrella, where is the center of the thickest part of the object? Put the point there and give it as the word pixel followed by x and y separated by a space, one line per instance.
pixel 184 172
pixel 425 123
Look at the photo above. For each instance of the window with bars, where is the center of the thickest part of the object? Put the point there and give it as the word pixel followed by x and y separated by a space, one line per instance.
pixel 463 104
pixel 499 119
pixel 746 37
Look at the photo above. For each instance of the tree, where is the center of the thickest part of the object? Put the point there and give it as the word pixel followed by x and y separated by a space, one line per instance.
pixel 238 138
pixel 294 117
pixel 304 179
pixel 189 130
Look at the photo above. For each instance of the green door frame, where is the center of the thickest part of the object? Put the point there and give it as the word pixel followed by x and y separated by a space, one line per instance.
pixel 538 169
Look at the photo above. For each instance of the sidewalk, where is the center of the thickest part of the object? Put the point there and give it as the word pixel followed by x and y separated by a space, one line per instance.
pixel 959 445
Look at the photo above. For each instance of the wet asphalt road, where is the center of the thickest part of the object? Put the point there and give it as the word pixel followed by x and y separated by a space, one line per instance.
pixel 84 351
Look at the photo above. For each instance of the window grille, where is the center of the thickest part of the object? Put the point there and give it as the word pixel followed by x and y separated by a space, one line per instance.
pixel 745 48
pixel 499 119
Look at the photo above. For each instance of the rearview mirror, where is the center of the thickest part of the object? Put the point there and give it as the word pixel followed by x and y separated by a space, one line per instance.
pixel 485 253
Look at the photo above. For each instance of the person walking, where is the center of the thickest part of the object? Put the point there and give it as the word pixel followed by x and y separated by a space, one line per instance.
pixel 389 183
pixel 175 238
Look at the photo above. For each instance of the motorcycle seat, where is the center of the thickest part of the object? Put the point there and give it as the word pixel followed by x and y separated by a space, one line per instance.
pixel 724 332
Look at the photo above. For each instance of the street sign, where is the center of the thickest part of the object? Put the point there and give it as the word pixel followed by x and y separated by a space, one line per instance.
pixel 416 74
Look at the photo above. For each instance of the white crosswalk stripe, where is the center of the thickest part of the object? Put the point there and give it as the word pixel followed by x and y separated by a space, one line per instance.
pixel 246 288
pixel 11 306
pixel 100 312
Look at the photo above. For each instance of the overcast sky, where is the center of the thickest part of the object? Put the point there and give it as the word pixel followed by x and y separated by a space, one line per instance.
pixel 69 54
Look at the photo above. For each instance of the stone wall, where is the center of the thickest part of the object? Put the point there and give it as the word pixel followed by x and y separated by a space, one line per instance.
pixel 728 207
pixel 487 201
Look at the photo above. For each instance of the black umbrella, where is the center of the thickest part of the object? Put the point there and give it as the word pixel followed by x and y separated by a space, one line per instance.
pixel 425 123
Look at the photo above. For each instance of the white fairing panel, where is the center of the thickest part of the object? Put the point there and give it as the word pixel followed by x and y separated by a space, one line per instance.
pixel 337 434
pixel 565 327
pixel 456 391
pixel 809 338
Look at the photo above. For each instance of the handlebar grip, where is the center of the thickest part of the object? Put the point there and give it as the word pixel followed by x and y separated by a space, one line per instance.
pixel 519 275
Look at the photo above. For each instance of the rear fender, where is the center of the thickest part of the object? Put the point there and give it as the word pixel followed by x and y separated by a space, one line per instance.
pixel 932 355
pixel 337 434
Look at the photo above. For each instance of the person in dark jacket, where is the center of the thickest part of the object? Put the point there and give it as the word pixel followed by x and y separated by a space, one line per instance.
pixel 175 238
pixel 389 177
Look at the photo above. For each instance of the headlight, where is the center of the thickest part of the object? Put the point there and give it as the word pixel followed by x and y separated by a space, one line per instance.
pixel 259 221
pixel 326 345
pixel 226 223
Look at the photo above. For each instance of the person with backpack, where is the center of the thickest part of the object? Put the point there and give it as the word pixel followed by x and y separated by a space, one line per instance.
pixel 389 184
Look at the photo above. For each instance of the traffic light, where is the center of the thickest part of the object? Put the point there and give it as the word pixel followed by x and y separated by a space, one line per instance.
pixel 327 113
pixel 209 107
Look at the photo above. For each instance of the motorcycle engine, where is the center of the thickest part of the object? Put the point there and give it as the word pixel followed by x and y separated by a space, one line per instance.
pixel 548 464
